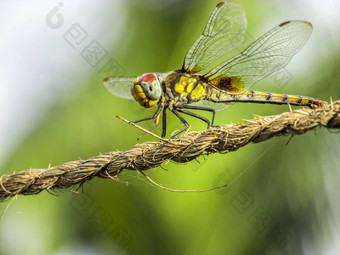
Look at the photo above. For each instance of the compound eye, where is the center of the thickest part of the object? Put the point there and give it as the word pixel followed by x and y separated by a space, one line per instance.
pixel 148 78
pixel 148 88
pixel 151 86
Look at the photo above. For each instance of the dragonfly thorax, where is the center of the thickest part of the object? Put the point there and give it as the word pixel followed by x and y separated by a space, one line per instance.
pixel 146 90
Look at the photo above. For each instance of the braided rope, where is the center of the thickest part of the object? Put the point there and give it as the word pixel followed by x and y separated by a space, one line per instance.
pixel 182 149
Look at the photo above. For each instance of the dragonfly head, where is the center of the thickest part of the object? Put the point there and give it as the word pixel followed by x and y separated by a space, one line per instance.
pixel 146 90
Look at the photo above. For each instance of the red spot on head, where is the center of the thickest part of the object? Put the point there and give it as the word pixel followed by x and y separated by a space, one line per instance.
pixel 149 77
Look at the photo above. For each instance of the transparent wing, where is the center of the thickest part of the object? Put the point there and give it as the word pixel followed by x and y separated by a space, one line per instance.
pixel 120 86
pixel 224 31
pixel 269 53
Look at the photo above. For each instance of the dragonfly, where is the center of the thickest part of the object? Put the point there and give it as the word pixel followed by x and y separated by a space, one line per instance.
pixel 193 87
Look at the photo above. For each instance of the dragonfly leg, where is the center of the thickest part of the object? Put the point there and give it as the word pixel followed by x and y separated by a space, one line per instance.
pixel 182 120
pixel 164 122
pixel 154 116
pixel 194 115
pixel 193 107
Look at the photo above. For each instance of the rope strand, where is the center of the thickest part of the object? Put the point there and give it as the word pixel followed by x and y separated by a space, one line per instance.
pixel 222 139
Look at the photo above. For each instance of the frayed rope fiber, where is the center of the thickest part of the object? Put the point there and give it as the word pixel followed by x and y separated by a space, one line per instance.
pixel 182 149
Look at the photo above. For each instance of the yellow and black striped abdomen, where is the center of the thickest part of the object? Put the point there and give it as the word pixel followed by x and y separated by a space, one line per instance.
pixel 264 97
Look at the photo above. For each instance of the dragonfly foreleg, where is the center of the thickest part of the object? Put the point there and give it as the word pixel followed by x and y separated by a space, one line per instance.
pixel 193 107
pixel 182 120
pixel 154 116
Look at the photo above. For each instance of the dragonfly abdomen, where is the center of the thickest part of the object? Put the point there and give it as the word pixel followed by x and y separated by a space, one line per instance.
pixel 250 96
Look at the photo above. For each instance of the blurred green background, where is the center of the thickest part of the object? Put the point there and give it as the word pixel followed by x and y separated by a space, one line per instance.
pixel 281 198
